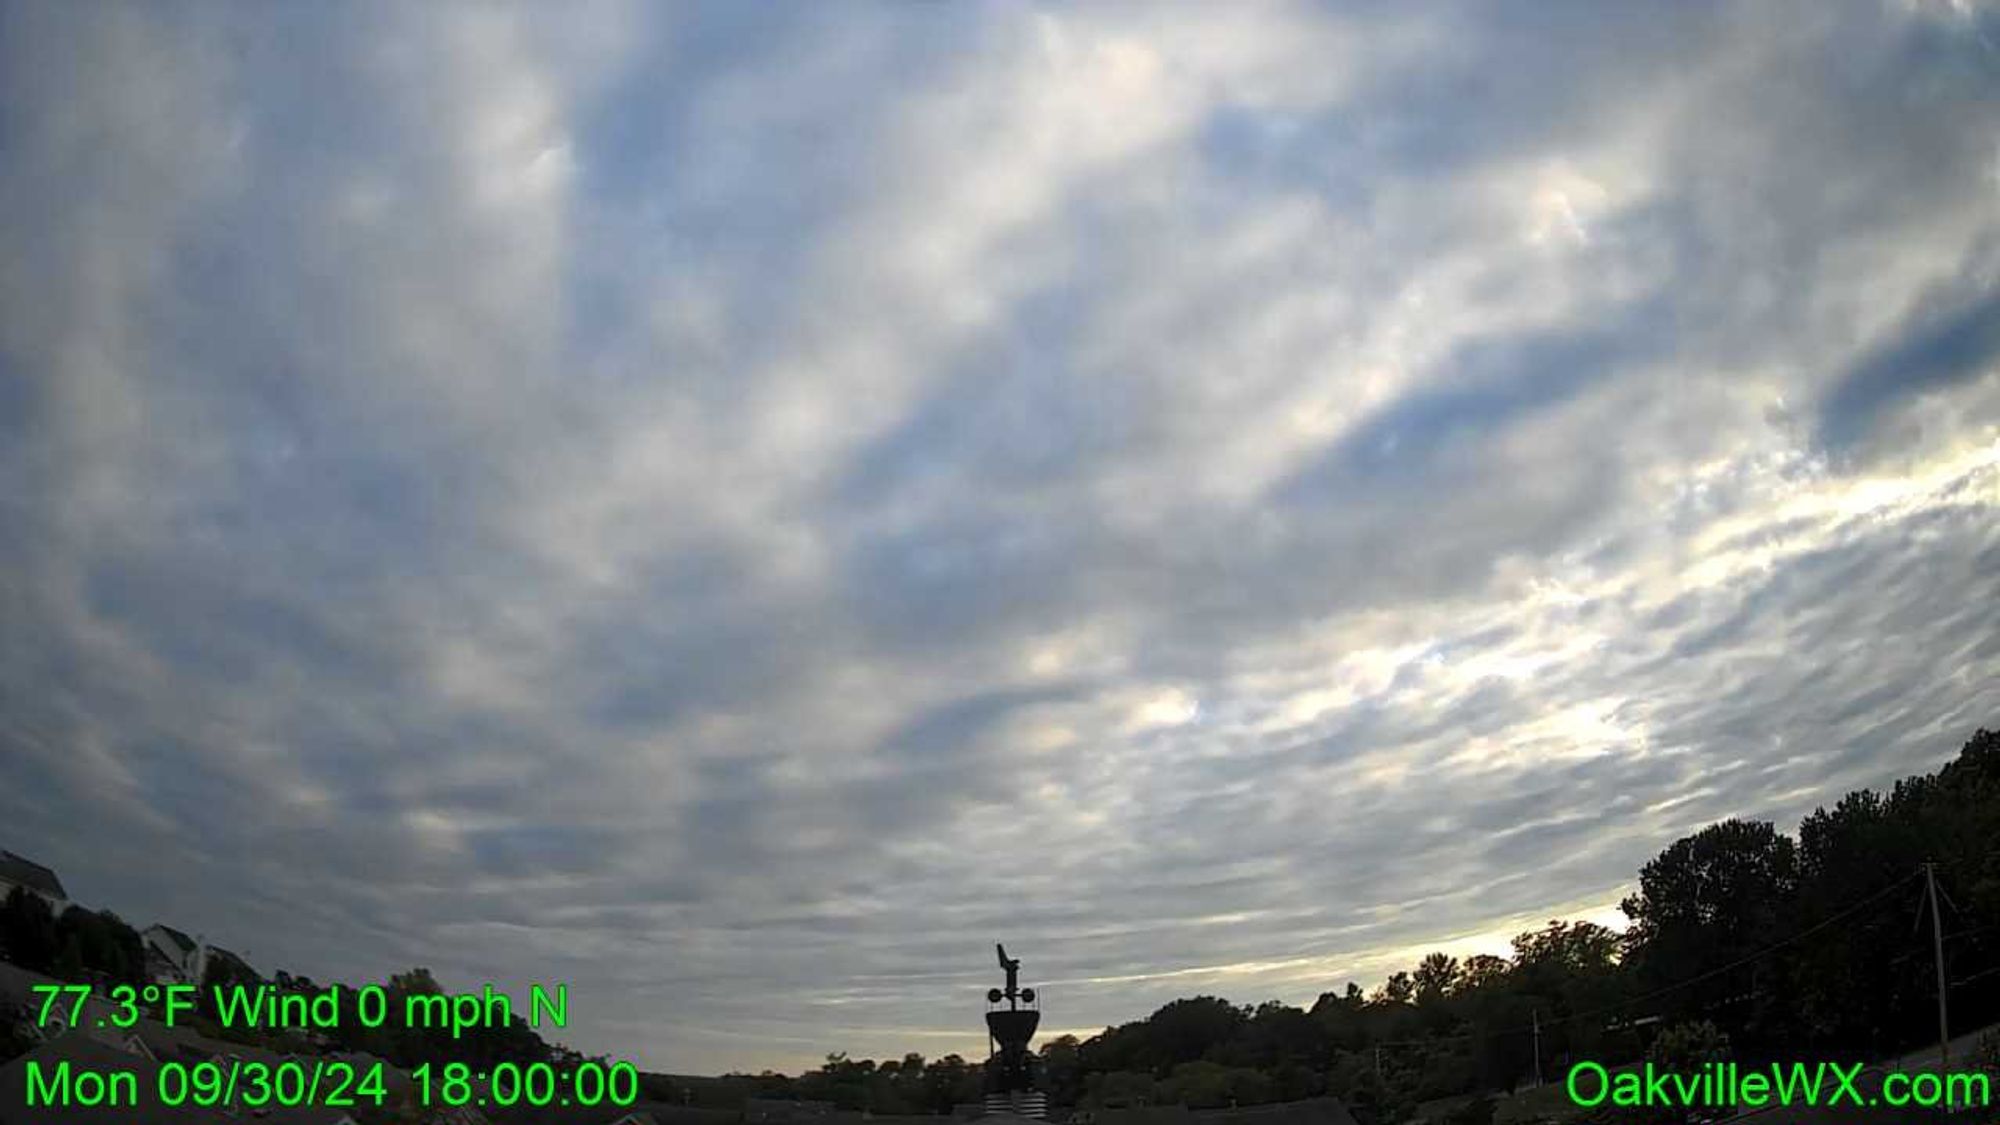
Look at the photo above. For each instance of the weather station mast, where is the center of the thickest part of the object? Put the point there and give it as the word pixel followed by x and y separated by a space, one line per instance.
pixel 1010 1069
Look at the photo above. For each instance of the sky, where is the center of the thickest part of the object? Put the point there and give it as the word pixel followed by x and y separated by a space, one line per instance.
pixel 737 508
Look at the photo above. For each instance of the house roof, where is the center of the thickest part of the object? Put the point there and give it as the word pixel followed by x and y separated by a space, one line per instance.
pixel 185 942
pixel 84 1053
pixel 1311 1111
pixel 219 955
pixel 32 875
pixel 17 991
pixel 17 985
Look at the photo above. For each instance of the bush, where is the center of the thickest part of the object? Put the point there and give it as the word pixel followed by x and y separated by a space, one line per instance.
pixel 1986 1054
pixel 1478 1111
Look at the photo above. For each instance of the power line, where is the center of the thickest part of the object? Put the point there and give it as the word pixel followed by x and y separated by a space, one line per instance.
pixel 1762 953
pixel 1677 986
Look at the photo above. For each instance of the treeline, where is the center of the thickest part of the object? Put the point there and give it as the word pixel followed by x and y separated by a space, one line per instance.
pixel 78 945
pixel 911 1084
pixel 1776 946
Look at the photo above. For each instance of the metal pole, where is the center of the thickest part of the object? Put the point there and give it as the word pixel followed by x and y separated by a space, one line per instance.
pixel 1536 1015
pixel 1937 949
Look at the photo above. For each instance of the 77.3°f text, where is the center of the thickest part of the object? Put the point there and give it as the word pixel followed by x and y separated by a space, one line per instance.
pixel 265 1006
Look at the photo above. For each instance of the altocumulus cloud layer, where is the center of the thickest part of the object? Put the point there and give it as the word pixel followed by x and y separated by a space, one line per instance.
pixel 738 507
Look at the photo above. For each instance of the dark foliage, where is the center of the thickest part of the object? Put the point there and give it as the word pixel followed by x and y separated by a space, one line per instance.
pixel 1779 946
pixel 1773 945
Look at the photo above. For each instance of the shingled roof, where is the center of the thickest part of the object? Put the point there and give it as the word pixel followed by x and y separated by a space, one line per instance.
pixel 29 874
pixel 185 942
pixel 220 956
pixel 84 1053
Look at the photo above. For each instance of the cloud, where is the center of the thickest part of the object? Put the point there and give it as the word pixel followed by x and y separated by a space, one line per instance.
pixel 738 509
pixel 1945 349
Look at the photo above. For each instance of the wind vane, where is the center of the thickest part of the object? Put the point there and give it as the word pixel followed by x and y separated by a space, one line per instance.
pixel 1013 993
pixel 1010 1077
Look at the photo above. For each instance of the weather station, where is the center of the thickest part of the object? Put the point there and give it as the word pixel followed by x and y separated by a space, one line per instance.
pixel 1012 1015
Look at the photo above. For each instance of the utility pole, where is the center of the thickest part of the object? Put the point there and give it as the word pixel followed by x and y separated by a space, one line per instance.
pixel 1937 949
pixel 1536 1015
